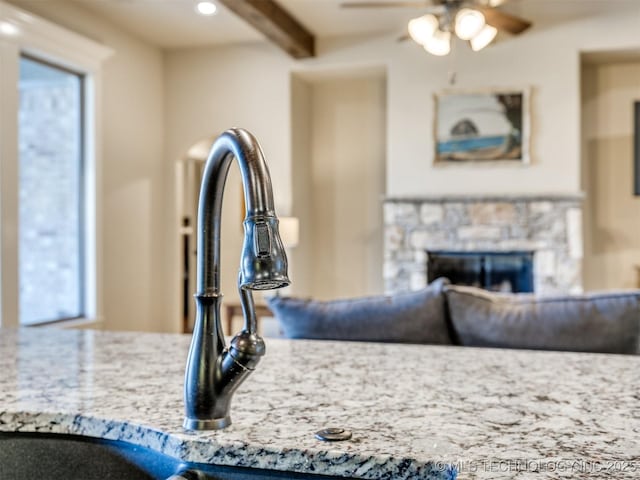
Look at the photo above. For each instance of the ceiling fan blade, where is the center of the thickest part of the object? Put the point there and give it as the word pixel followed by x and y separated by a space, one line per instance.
pixel 505 21
pixel 417 4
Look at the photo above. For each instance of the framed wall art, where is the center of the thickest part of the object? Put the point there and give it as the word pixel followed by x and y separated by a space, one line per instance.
pixel 482 126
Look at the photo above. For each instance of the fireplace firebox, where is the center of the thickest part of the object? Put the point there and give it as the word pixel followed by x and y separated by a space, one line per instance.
pixel 496 271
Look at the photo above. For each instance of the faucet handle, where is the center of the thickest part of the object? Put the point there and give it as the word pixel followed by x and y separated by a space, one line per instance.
pixel 247 348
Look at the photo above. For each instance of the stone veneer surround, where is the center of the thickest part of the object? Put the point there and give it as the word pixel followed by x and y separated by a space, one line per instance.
pixel 548 225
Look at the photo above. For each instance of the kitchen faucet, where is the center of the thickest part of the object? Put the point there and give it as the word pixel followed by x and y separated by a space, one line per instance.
pixel 214 372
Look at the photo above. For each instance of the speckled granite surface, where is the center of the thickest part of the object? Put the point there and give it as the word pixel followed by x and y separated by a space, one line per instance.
pixel 488 413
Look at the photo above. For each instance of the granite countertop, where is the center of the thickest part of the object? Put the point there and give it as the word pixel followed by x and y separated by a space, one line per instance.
pixel 415 411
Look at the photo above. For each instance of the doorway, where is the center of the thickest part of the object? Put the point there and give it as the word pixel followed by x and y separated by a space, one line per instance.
pixel 610 86
pixel 188 176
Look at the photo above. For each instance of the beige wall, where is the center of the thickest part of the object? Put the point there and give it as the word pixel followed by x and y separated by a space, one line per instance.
pixel 133 169
pixel 612 213
pixel 204 99
pixel 545 59
pixel 212 88
pixel 208 91
pixel 347 177
pixel 301 258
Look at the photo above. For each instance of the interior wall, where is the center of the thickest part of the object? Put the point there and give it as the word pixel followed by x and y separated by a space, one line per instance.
pixel 301 257
pixel 547 60
pixel 213 88
pixel 612 212
pixel 348 181
pixel 209 90
pixel 132 170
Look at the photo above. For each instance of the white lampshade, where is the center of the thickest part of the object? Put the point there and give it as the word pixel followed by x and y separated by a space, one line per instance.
pixel 483 38
pixel 439 44
pixel 421 29
pixel 289 228
pixel 469 22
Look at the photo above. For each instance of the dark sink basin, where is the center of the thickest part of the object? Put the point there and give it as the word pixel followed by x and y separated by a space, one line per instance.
pixel 45 456
pixel 35 456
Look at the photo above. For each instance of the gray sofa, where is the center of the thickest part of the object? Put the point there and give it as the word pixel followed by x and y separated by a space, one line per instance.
pixel 444 314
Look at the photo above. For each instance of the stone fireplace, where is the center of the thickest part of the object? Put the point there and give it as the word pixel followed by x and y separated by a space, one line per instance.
pixel 549 226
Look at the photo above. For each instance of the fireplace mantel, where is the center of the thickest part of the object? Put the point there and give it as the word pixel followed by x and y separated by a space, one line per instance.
pixel 488 197
pixel 550 225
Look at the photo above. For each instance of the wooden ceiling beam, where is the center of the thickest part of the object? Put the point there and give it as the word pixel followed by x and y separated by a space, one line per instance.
pixel 276 23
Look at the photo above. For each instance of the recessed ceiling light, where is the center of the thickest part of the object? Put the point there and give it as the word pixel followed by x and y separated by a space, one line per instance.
pixel 206 8
pixel 8 29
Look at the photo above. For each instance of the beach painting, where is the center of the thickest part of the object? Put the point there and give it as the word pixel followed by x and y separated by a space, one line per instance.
pixel 482 127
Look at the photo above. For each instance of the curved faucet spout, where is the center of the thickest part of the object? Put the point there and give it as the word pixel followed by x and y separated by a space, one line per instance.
pixel 263 261
pixel 213 373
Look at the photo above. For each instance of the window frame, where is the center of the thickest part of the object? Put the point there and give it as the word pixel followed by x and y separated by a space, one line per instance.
pixel 81 77
pixel 48 42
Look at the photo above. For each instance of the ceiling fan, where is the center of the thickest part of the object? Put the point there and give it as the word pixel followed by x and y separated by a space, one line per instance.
pixel 477 21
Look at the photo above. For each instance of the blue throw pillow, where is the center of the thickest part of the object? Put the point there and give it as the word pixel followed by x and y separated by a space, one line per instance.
pixel 607 322
pixel 414 317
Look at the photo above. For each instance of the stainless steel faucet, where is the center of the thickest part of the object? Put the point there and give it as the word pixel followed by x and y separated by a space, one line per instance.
pixel 214 372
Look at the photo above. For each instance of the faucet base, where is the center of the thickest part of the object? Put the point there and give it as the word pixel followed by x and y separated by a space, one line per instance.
pixel 213 424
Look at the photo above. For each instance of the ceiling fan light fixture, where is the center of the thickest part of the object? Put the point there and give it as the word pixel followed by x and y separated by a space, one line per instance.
pixel 439 44
pixel 469 23
pixel 483 38
pixel 422 29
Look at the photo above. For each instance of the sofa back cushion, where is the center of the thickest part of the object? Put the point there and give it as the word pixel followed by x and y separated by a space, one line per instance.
pixel 597 322
pixel 415 317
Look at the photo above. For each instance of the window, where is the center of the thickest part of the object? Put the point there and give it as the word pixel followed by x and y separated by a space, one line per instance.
pixel 50 160
pixel 51 197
